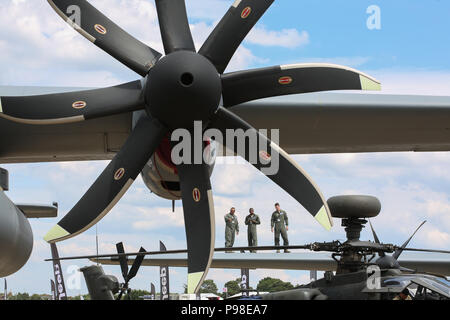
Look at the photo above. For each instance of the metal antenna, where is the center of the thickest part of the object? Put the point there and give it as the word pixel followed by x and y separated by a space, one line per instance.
pixel 96 242
pixel 6 289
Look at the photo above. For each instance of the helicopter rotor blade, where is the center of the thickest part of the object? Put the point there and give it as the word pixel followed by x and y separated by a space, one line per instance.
pixel 399 251
pixel 136 265
pixel 123 260
pixel 375 237
pixel 424 250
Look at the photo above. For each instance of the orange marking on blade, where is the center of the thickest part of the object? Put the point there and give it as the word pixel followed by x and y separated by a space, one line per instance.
pixel 79 105
pixel 196 195
pixel 100 29
pixel 119 174
pixel 246 12
pixel 285 80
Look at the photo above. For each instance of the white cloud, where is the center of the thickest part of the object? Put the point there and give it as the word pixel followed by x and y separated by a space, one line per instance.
pixel 234 179
pixel 52 53
pixel 157 218
pixel 438 238
pixel 287 38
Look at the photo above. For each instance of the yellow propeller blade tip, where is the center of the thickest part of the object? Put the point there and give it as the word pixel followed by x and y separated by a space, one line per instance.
pixel 194 280
pixel 324 219
pixel 369 84
pixel 56 233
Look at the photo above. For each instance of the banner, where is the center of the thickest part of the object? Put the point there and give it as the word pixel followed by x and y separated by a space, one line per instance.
pixel 313 275
pixel 164 277
pixel 59 278
pixel 245 282
pixel 152 292
pixel 6 290
pixel 53 288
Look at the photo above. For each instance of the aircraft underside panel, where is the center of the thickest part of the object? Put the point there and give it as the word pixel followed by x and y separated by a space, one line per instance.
pixel 309 123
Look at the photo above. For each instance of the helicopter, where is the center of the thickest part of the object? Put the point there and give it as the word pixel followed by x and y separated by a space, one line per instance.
pixel 356 270
pixel 365 271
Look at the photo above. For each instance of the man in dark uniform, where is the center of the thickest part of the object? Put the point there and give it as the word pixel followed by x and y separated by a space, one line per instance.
pixel 252 220
pixel 231 228
pixel 280 224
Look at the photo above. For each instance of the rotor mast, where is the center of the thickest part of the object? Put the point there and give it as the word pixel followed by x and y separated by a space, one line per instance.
pixel 353 210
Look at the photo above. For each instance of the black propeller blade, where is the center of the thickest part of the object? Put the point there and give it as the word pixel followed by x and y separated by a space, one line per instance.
pixel 174 25
pixel 105 34
pixel 399 251
pixel 73 106
pixel 112 184
pixel 199 219
pixel 223 42
pixel 289 176
pixel 128 276
pixel 243 86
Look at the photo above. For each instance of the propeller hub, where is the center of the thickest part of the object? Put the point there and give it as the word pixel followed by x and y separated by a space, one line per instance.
pixel 183 87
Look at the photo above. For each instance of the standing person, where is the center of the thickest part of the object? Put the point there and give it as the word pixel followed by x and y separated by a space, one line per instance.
pixel 252 220
pixel 231 228
pixel 280 223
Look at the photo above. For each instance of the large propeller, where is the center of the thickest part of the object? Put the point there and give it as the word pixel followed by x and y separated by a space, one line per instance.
pixel 183 87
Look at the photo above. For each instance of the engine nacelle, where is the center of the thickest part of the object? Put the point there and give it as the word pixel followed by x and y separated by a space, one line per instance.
pixel 16 237
pixel 160 175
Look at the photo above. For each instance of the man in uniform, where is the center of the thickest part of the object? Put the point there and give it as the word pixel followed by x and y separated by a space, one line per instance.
pixel 280 224
pixel 231 228
pixel 252 220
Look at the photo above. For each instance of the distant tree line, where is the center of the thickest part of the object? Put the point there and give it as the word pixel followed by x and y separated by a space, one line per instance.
pixel 233 287
pixel 27 296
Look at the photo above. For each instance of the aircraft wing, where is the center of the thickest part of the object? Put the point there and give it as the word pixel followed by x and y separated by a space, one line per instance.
pixel 308 123
pixel 347 123
pixel 430 263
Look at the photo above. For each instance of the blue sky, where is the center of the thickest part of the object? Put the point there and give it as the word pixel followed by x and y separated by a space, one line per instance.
pixel 409 55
